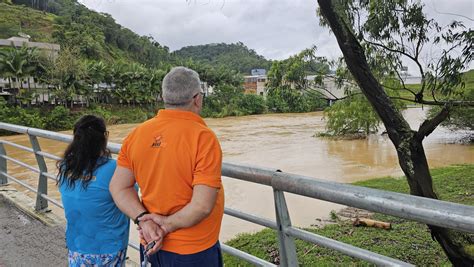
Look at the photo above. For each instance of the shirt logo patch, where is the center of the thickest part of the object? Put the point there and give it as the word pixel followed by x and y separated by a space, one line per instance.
pixel 157 142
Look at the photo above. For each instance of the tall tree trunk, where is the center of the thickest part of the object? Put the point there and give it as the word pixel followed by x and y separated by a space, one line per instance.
pixel 29 92
pixel 408 143
pixel 19 86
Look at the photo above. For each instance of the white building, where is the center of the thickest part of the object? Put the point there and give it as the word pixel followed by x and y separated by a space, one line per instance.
pixel 255 84
pixel 329 88
pixel 49 48
pixel 8 88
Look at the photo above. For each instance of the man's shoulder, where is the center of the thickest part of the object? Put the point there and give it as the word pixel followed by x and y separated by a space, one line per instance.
pixel 142 127
pixel 203 129
pixel 146 124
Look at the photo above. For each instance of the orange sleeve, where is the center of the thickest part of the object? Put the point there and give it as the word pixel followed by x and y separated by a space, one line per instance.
pixel 123 158
pixel 209 161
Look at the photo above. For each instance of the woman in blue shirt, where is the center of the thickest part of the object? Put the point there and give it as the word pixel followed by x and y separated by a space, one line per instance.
pixel 97 231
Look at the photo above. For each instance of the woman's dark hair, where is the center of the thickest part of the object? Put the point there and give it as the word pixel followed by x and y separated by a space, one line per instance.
pixel 86 153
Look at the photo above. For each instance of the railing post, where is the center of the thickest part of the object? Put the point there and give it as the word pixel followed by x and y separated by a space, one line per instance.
pixel 41 203
pixel 287 244
pixel 3 165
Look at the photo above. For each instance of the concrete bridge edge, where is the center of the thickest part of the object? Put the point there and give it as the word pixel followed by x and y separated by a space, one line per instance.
pixel 27 205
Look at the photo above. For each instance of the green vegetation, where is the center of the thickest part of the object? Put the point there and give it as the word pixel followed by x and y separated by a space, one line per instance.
pixel 37 24
pixel 60 118
pixel 231 101
pixel 351 116
pixel 95 35
pixel 289 90
pixel 236 56
pixel 461 117
pixel 354 117
pixel 407 241
pixel 284 99
pixel 102 63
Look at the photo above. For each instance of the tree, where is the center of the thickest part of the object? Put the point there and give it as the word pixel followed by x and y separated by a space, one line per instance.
pixel 352 115
pixel 236 57
pixel 369 30
pixel 461 117
pixel 153 84
pixel 18 64
pixel 294 70
pixel 94 75
pixel 288 84
pixel 66 75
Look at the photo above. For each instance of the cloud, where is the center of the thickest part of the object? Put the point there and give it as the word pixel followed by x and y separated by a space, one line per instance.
pixel 274 29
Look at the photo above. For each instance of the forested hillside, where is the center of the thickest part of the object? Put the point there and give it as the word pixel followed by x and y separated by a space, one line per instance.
pixel 95 35
pixel 107 69
pixel 15 19
pixel 234 56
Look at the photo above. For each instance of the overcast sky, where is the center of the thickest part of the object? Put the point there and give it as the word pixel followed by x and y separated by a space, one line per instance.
pixel 275 29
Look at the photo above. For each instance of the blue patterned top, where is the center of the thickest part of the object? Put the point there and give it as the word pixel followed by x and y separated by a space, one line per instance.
pixel 95 225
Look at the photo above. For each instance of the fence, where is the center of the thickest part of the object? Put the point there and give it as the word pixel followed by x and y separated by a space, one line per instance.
pixel 428 211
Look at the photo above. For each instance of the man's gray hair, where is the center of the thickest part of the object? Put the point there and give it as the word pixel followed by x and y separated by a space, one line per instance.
pixel 179 86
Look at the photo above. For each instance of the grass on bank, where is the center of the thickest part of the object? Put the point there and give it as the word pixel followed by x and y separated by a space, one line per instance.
pixel 467 78
pixel 407 241
pixel 60 118
pixel 37 24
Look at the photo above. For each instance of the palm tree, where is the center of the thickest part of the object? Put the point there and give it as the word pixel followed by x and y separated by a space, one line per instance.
pixel 95 72
pixel 155 76
pixel 19 63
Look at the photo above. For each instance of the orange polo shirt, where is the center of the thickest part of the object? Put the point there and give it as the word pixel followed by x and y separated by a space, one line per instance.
pixel 168 155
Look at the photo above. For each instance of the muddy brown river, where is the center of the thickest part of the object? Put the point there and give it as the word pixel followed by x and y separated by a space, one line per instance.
pixel 287 142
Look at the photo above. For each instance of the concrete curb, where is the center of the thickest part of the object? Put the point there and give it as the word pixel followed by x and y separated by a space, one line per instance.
pixel 27 204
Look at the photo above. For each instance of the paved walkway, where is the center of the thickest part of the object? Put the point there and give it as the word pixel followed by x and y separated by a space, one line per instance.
pixel 25 241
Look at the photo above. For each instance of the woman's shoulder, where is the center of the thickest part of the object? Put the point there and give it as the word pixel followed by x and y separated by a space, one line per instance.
pixel 111 161
pixel 108 164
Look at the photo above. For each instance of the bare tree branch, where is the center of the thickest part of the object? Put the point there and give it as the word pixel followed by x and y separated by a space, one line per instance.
pixel 437 103
pixel 449 13
pixel 429 125
pixel 395 89
pixel 322 96
pixel 422 73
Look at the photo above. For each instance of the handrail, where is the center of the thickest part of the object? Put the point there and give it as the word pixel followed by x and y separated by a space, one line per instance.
pixel 424 210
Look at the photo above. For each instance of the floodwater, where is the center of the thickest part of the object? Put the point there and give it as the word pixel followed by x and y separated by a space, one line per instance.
pixel 286 142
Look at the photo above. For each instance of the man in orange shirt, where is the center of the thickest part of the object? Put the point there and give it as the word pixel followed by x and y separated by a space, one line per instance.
pixel 176 161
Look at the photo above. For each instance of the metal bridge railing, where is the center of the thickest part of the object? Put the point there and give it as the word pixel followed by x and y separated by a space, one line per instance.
pixel 423 210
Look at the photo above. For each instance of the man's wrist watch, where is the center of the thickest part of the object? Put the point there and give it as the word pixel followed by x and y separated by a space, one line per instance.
pixel 136 221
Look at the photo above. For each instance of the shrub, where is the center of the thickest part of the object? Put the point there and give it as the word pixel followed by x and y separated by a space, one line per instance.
pixel 58 119
pixel 20 116
pixel 101 112
pixel 251 104
pixel 351 116
pixel 284 99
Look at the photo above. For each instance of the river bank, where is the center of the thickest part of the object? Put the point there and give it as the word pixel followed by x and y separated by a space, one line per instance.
pixel 281 141
pixel 60 118
pixel 285 142
pixel 407 241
